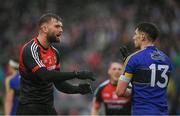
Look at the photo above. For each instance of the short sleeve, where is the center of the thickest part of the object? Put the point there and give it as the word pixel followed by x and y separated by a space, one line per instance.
pixel 130 65
pixel 97 95
pixel 31 58
pixel 171 66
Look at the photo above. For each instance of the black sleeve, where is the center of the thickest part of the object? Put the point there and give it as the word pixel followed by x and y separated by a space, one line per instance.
pixel 97 94
pixel 32 61
pixel 66 87
pixel 31 58
pixel 54 75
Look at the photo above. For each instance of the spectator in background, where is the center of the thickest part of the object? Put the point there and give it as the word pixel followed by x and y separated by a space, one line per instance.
pixel 12 85
pixel 105 93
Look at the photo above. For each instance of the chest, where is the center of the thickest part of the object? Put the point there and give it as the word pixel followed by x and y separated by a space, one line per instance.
pixel 108 93
pixel 49 58
pixel 109 96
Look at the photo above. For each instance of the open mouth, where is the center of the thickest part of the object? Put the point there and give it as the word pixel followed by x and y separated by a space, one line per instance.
pixel 58 35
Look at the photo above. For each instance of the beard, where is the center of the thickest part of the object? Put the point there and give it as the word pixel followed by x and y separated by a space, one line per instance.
pixel 52 38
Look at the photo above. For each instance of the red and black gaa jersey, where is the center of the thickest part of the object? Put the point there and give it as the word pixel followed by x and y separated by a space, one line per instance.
pixel 114 105
pixel 33 57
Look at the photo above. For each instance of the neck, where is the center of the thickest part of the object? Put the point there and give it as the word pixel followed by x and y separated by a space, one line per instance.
pixel 14 72
pixel 43 40
pixel 146 45
pixel 113 82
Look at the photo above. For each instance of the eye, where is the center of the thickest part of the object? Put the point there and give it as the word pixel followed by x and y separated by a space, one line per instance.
pixel 57 26
pixel 116 69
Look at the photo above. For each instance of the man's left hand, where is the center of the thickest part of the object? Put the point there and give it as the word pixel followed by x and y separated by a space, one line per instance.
pixel 85 89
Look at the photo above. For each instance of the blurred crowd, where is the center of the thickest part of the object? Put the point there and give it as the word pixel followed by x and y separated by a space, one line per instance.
pixel 93 32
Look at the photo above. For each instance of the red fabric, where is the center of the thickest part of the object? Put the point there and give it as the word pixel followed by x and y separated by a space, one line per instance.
pixel 109 95
pixel 48 57
pixel 35 68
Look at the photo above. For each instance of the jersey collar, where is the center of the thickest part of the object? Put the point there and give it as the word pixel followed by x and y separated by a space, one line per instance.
pixel 150 46
pixel 37 41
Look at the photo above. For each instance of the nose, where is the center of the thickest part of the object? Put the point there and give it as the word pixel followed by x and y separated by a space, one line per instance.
pixel 134 37
pixel 61 29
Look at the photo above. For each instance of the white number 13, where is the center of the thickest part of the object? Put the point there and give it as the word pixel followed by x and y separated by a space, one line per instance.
pixel 163 75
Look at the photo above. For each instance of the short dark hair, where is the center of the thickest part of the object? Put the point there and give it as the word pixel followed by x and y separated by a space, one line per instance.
pixel 47 17
pixel 150 29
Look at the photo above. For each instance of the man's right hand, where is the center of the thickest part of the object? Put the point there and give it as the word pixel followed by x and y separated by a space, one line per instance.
pixel 85 75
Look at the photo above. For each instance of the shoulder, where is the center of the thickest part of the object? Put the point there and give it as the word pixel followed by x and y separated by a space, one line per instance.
pixel 103 83
pixel 134 55
pixel 167 60
pixel 30 47
pixel 166 56
pixel 101 86
pixel 16 76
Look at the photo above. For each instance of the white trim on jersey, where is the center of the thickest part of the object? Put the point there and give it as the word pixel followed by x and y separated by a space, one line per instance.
pixel 102 84
pixel 120 101
pixel 35 55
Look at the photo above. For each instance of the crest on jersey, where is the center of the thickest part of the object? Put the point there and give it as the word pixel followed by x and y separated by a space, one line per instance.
pixel 157 56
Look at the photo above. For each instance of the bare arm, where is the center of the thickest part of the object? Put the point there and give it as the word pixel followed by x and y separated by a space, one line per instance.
pixel 72 89
pixel 8 99
pixel 95 108
pixel 122 87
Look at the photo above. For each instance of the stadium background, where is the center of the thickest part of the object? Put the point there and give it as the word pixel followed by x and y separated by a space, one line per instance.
pixel 93 32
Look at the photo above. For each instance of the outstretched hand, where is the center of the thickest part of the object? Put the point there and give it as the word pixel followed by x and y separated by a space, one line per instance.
pixel 85 89
pixel 85 75
pixel 124 52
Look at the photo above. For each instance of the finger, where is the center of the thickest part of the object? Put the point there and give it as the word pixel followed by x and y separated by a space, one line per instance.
pixel 91 90
pixel 122 50
pixel 91 78
pixel 125 50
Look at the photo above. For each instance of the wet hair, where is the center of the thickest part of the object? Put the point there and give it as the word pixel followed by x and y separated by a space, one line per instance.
pixel 150 29
pixel 47 17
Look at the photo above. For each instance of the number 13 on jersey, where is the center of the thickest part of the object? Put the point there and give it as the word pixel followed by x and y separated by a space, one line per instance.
pixel 164 75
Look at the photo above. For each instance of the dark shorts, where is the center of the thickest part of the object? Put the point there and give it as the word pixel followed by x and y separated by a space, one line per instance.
pixel 35 109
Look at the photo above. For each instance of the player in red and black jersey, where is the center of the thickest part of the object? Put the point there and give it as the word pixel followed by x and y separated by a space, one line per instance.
pixel 39 68
pixel 106 94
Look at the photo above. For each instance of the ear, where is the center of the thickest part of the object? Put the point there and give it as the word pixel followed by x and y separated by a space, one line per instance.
pixel 143 36
pixel 109 72
pixel 44 28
